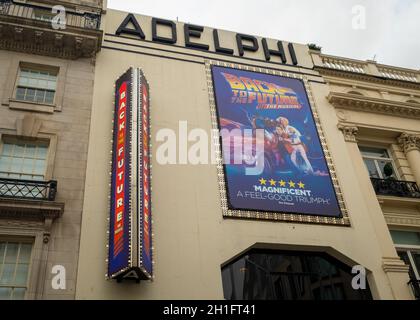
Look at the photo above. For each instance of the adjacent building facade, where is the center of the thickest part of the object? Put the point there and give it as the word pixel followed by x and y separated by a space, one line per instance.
pixel 357 146
pixel 378 113
pixel 46 81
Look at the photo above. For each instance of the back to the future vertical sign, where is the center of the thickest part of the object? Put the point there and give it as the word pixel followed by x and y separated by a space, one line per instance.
pixel 130 227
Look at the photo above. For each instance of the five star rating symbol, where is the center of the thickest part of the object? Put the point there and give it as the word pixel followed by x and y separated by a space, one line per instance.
pixel 281 183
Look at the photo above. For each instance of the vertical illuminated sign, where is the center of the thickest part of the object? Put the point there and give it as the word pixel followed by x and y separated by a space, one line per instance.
pixel 145 240
pixel 130 227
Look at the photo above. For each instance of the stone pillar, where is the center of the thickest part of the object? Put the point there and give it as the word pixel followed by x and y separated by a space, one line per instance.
pixel 410 143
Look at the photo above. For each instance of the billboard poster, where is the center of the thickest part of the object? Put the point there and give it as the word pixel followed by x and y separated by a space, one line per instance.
pixel 145 220
pixel 290 173
pixel 130 228
pixel 119 241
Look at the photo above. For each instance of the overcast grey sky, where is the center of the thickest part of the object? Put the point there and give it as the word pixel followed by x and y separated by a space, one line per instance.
pixel 392 30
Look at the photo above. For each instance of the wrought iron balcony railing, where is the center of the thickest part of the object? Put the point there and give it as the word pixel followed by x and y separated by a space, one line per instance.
pixel 28 189
pixel 396 188
pixel 415 286
pixel 33 12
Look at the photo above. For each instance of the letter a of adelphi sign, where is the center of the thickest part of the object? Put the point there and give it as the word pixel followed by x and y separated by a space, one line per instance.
pixel 130 225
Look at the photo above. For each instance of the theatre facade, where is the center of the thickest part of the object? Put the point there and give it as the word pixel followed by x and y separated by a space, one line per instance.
pixel 331 196
pixel 156 159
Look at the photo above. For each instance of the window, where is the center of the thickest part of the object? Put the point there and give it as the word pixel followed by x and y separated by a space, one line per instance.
pixel 36 85
pixel 408 248
pixel 287 275
pixel 378 162
pixel 25 160
pixel 15 259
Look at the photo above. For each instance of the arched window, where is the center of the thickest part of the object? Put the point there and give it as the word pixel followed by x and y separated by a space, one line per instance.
pixel 289 275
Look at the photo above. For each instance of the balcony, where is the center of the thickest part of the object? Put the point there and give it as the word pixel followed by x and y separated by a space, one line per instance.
pixel 29 199
pixel 28 189
pixel 373 70
pixel 396 188
pixel 29 28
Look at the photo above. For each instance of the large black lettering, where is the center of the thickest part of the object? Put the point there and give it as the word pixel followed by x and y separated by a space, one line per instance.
pixel 137 31
pixel 217 45
pixel 240 38
pixel 292 53
pixel 270 52
pixel 167 23
pixel 190 31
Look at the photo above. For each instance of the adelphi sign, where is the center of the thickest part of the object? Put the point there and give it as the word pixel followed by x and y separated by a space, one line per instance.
pixel 167 32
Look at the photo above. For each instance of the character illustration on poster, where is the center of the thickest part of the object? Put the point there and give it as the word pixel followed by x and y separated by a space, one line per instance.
pixel 294 176
pixel 286 145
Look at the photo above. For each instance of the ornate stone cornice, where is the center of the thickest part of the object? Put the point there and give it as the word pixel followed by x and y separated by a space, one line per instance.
pixel 374 105
pixel 409 142
pixel 349 132
pixel 402 220
pixel 29 213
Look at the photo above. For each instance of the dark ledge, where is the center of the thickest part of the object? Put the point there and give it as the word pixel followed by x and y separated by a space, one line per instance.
pixel 23 209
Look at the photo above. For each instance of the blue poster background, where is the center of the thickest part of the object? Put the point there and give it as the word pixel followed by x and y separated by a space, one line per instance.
pixel 289 183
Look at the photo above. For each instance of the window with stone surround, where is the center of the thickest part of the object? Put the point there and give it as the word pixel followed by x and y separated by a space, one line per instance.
pixel 378 162
pixel 408 247
pixel 23 159
pixel 15 260
pixel 36 84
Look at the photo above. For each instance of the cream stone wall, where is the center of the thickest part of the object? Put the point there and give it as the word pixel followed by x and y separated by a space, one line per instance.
pixel 191 238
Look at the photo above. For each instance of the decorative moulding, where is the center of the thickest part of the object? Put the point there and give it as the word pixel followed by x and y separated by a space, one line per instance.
pixel 30 209
pixel 402 220
pixel 409 142
pixel 394 265
pixel 374 105
pixel 369 78
pixel 349 132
